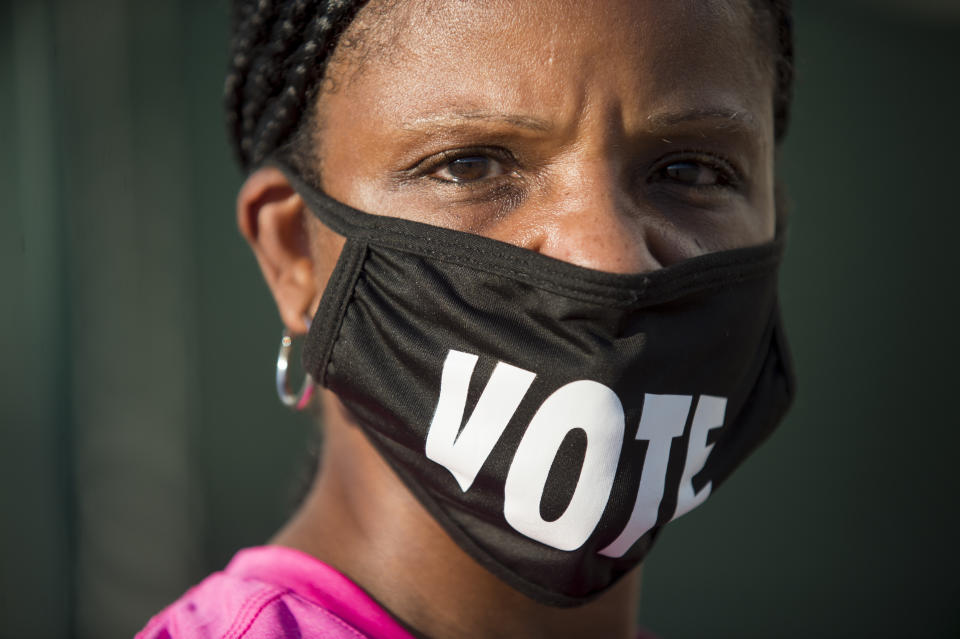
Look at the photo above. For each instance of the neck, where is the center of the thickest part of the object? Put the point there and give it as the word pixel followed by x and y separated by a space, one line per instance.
pixel 411 566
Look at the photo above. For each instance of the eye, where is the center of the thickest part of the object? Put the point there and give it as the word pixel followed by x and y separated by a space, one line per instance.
pixel 469 168
pixel 696 173
pixel 691 173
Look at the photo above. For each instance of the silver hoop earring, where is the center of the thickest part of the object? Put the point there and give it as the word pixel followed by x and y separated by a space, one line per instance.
pixel 300 400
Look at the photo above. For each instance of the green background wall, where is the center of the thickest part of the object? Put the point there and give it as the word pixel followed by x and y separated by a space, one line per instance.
pixel 141 443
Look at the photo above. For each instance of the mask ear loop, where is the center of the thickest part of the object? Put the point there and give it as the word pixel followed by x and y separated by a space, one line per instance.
pixel 297 401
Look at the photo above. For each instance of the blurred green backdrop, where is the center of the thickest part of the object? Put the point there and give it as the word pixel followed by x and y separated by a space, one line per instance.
pixel 142 443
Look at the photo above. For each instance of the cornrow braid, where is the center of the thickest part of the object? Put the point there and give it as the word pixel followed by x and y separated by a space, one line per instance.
pixel 278 55
pixel 280 49
pixel 784 70
pixel 775 27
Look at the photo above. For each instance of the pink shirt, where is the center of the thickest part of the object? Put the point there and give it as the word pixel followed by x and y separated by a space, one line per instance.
pixel 271 592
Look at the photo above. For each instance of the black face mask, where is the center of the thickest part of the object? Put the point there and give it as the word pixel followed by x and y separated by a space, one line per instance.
pixel 552 418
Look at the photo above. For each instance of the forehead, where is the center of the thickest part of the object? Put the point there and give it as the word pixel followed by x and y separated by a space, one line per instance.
pixel 557 59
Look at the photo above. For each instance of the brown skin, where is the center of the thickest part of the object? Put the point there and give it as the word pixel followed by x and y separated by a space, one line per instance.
pixel 618 135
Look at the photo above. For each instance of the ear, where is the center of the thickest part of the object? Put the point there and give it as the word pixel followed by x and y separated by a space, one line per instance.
pixel 270 215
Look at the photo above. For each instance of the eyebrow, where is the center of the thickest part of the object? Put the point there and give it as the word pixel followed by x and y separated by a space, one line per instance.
pixel 446 120
pixel 725 118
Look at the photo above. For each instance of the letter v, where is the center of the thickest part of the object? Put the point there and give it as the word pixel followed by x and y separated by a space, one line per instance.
pixel 465 454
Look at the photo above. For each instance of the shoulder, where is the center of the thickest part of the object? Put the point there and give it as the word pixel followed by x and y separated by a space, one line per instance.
pixel 273 592
pixel 224 607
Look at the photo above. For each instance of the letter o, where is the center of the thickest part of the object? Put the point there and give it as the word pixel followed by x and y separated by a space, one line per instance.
pixel 596 410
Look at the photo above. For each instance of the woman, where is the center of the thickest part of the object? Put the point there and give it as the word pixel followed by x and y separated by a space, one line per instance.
pixel 538 243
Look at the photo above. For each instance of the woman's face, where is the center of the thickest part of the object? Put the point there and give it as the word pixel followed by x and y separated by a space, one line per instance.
pixel 622 135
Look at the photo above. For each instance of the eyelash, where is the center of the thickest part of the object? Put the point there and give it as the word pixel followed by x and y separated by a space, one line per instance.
pixel 728 175
pixel 444 158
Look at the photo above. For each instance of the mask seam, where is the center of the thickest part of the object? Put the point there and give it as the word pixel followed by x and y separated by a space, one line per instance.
pixel 332 319
pixel 626 296
pixel 716 277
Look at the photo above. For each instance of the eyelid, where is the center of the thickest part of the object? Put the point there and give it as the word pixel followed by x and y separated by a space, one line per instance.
pixel 713 160
pixel 432 163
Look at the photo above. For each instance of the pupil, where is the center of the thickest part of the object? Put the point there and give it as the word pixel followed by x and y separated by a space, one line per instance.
pixel 471 168
pixel 687 172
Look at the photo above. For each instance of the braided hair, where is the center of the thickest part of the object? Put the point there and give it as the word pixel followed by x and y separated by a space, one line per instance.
pixel 280 50
pixel 776 28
